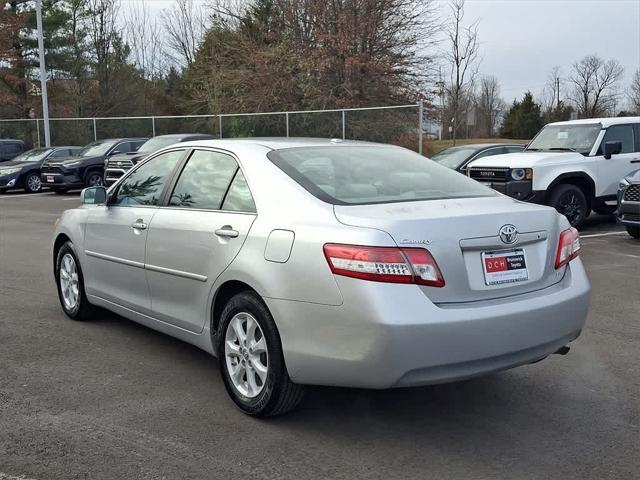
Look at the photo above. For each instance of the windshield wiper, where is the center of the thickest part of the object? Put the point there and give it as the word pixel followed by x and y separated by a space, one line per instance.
pixel 562 149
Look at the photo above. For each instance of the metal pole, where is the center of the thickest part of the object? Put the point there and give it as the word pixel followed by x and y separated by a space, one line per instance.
pixel 153 126
pixel 220 124
pixel 43 75
pixel 287 118
pixel 38 131
pixel 95 131
pixel 344 125
pixel 420 125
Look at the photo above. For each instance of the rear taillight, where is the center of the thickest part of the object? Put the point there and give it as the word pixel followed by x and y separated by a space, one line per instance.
pixel 384 264
pixel 568 247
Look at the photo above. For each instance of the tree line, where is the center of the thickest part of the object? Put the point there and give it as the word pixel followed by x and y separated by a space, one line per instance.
pixel 232 56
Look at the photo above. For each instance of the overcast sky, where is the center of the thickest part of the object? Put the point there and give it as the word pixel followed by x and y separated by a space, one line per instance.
pixel 522 40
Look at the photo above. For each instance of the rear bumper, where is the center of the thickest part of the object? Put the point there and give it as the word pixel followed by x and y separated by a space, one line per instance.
pixel 390 335
pixel 61 181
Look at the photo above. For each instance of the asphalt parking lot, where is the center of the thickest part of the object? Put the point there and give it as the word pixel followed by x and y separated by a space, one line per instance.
pixel 110 399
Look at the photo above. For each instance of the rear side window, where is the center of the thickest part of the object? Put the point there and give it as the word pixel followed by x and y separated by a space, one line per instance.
pixel 204 180
pixel 619 133
pixel 345 175
pixel 239 197
pixel 144 186
pixel 63 152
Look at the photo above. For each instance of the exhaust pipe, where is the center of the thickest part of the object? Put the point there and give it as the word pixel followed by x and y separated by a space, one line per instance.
pixel 562 350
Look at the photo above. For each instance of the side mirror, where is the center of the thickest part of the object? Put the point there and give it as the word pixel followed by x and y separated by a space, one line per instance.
pixel 612 148
pixel 93 196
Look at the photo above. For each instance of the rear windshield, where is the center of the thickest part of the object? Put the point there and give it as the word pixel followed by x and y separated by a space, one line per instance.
pixel 372 174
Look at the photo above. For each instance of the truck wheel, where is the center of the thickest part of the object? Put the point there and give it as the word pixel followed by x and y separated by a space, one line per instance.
pixel 633 231
pixel 570 201
pixel 32 184
pixel 94 179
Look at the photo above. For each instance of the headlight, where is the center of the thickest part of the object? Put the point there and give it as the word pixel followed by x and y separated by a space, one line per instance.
pixel 623 184
pixel 521 174
pixel 9 171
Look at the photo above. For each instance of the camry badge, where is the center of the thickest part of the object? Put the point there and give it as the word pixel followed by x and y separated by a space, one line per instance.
pixel 508 234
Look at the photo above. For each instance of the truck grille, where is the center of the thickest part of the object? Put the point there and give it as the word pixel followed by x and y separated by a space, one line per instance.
pixel 120 164
pixel 632 193
pixel 488 174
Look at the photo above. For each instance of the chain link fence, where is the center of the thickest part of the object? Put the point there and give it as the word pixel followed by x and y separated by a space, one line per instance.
pixel 399 125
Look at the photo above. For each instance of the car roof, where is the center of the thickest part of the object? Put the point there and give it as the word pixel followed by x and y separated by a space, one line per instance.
pixel 183 135
pixel 280 143
pixel 606 122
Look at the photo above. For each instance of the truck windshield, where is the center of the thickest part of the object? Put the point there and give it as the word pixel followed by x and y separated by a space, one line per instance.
pixel 578 138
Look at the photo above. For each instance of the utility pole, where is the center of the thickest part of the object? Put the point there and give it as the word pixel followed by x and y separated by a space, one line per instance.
pixel 43 76
pixel 558 90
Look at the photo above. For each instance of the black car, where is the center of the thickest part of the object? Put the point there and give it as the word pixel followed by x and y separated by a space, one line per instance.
pixel 23 172
pixel 87 168
pixel 457 158
pixel 10 148
pixel 629 203
pixel 117 165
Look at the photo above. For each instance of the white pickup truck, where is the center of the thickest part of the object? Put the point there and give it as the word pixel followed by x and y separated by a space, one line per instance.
pixel 574 166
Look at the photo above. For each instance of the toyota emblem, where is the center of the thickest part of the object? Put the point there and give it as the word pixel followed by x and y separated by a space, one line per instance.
pixel 508 234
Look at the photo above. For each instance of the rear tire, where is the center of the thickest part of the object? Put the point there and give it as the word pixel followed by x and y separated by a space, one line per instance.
pixel 251 360
pixel 32 183
pixel 70 283
pixel 633 231
pixel 570 201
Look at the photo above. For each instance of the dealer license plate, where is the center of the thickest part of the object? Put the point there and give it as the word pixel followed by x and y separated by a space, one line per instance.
pixel 49 179
pixel 506 266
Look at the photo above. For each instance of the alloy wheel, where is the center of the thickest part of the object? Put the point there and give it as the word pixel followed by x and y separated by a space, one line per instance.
pixel 246 355
pixel 69 286
pixel 34 184
pixel 95 180
pixel 571 207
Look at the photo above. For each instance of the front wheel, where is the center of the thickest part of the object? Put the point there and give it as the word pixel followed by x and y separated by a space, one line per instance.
pixel 633 231
pixel 94 179
pixel 70 283
pixel 32 184
pixel 251 360
pixel 570 201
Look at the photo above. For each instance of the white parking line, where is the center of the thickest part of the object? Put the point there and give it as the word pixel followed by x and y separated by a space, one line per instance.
pixel 24 195
pixel 606 234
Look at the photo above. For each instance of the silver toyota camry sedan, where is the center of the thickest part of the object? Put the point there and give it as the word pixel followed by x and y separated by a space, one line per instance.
pixel 323 262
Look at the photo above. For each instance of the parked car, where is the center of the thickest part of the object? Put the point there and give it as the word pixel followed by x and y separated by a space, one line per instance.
pixel 10 148
pixel 323 262
pixel 23 172
pixel 573 166
pixel 629 203
pixel 118 165
pixel 87 168
pixel 457 158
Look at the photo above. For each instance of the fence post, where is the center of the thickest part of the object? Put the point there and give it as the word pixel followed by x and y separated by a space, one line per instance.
pixel 344 125
pixel 287 119
pixel 420 125
pixel 220 124
pixel 153 126
pixel 38 131
pixel 95 130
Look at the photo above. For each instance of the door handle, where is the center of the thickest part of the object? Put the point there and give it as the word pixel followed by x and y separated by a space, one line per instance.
pixel 227 231
pixel 139 225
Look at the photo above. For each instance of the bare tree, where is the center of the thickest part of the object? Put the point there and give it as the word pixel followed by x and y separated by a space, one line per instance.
pixel 551 95
pixel 463 59
pixel 489 104
pixel 634 92
pixel 185 24
pixel 594 82
pixel 144 36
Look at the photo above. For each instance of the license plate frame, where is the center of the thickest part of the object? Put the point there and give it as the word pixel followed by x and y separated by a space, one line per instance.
pixel 503 267
pixel 50 179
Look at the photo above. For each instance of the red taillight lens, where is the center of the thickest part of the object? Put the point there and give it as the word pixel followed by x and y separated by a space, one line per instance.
pixel 384 264
pixel 568 247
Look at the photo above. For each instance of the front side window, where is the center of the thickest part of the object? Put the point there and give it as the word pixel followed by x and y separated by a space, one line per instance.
pixel 144 186
pixel 204 180
pixel 566 138
pixel 368 175
pixel 619 133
